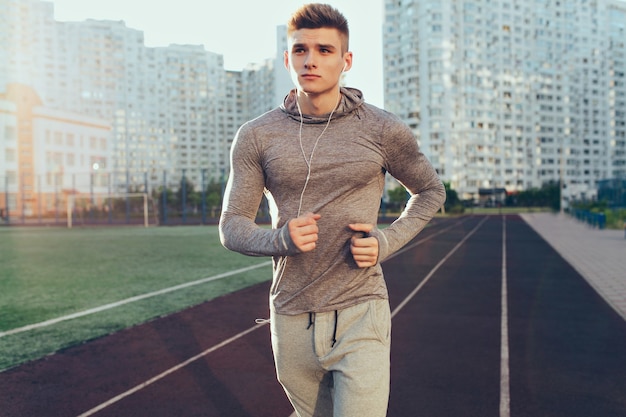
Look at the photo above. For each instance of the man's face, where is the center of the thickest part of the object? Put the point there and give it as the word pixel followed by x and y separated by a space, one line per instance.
pixel 315 59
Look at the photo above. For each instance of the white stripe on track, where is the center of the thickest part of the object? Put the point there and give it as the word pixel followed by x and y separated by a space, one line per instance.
pixel 432 271
pixel 505 393
pixel 131 300
pixel 419 242
pixel 167 290
pixel 169 371
pixel 251 329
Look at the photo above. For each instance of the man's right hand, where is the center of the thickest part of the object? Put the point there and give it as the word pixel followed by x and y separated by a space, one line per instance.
pixel 303 231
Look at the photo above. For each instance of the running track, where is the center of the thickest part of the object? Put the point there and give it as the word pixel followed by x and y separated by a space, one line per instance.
pixel 488 320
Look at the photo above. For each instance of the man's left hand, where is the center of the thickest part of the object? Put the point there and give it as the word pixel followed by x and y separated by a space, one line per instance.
pixel 364 249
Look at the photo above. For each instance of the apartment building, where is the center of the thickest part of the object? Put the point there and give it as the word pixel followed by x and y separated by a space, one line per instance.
pixel 48 154
pixel 8 157
pixel 173 111
pixel 615 24
pixel 510 93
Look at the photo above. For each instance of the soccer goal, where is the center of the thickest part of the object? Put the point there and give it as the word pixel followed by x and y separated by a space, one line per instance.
pixel 117 209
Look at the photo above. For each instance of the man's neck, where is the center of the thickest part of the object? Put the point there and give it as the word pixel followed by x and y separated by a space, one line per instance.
pixel 317 105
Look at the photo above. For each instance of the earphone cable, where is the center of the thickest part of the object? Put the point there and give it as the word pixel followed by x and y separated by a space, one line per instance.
pixel 309 161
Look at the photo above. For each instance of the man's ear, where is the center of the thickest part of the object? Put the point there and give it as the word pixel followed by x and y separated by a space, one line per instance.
pixel 286 60
pixel 347 59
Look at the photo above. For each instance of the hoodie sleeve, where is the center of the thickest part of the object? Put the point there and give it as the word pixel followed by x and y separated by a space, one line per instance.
pixel 407 164
pixel 243 194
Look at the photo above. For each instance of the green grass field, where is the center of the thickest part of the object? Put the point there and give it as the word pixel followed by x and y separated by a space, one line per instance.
pixel 47 273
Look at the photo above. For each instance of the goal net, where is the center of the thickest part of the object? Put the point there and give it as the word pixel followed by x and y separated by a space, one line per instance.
pixel 111 209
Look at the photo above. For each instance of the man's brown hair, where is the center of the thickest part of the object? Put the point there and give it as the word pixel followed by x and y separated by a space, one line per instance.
pixel 317 15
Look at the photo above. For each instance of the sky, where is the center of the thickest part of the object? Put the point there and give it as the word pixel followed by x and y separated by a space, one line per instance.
pixel 243 31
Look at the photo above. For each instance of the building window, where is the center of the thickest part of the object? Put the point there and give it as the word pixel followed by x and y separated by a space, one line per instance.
pixel 11 177
pixel 9 133
pixel 10 155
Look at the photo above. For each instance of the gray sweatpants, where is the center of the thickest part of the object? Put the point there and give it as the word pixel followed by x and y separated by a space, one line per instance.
pixel 335 364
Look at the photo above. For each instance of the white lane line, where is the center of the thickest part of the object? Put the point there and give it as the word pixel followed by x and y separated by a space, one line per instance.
pixel 505 394
pixel 167 290
pixel 224 343
pixel 432 272
pixel 130 300
pixel 419 242
pixel 166 373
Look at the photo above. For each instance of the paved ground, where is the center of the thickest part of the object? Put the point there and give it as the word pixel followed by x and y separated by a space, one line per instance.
pixel 598 255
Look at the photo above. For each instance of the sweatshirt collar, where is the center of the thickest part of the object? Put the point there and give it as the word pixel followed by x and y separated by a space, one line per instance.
pixel 351 100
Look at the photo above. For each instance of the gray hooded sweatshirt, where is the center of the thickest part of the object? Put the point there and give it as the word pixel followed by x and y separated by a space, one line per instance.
pixel 360 145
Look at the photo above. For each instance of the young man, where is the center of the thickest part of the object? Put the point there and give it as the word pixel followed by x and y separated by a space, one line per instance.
pixel 321 160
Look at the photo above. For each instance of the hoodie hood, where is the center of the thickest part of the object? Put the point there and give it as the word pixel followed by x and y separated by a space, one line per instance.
pixel 351 100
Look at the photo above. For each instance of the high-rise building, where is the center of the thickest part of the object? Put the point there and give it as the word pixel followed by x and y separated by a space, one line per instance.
pixel 173 111
pixel 615 25
pixel 48 154
pixel 282 78
pixel 511 94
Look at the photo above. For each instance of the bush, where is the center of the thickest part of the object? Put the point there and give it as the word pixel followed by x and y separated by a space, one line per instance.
pixel 615 218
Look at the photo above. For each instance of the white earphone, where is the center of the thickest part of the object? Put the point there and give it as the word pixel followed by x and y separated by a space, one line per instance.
pixel 309 160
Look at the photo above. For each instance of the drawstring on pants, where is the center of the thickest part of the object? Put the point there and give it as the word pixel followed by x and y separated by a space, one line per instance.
pixel 335 329
pixel 312 321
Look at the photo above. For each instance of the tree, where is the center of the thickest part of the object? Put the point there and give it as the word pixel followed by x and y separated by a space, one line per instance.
pixel 397 198
pixel 165 198
pixel 213 197
pixel 549 195
pixel 453 204
pixel 191 197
